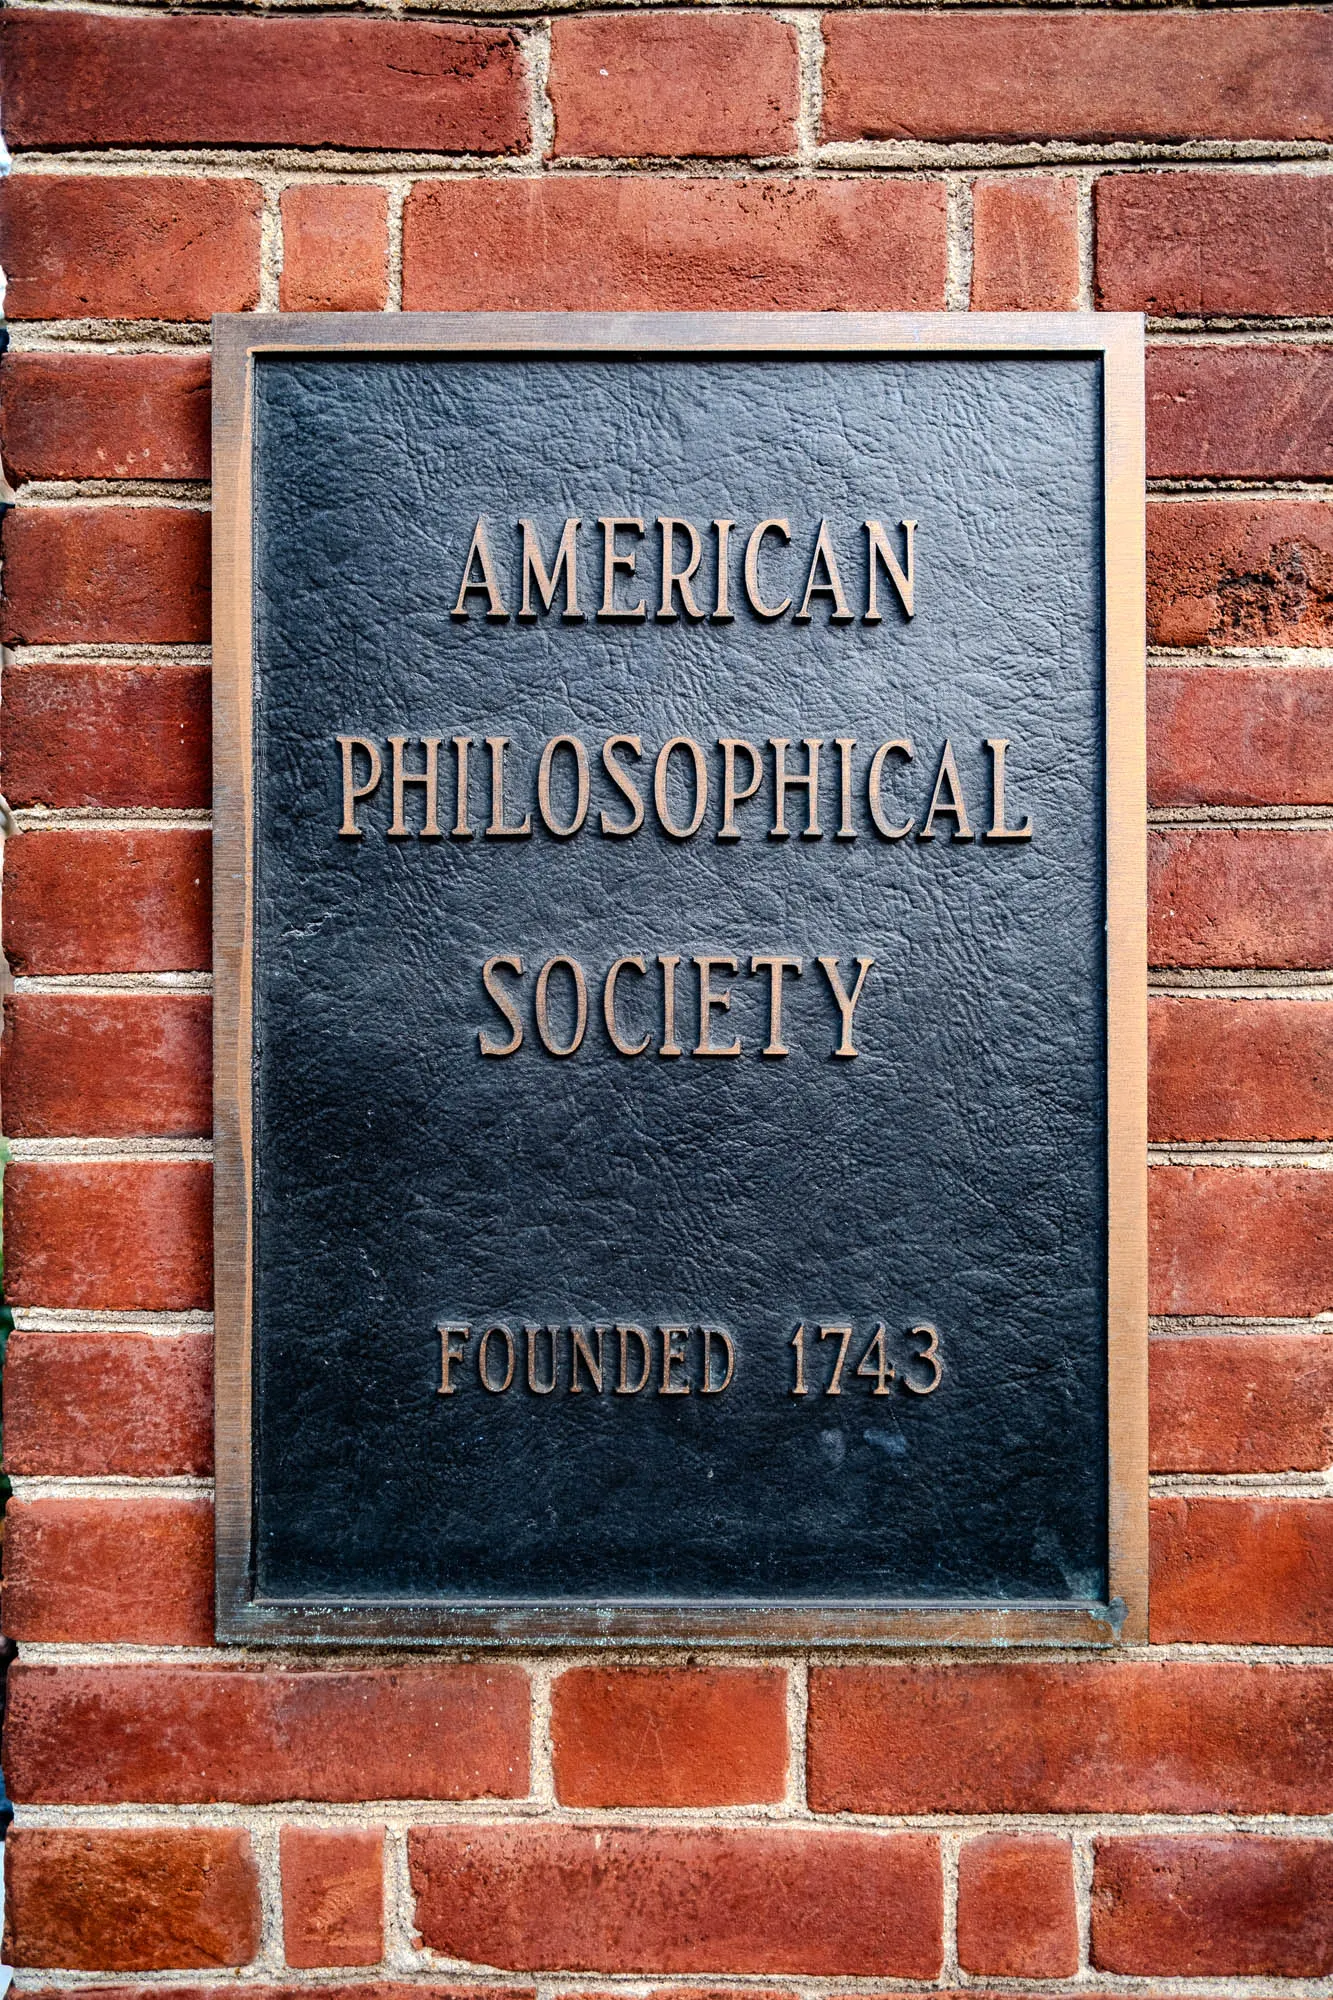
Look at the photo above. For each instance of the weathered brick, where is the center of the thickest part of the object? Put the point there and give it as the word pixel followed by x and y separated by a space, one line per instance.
pixel 974 74
pixel 131 1900
pixel 78 575
pixel 637 1899
pixel 1168 1736
pixel 75 79
pixel 104 900
pixel 1201 243
pixel 106 734
pixel 110 1235
pixel 190 1735
pixel 83 1405
pixel 335 248
pixel 1261 1403
pixel 1024 245
pixel 104 416
pixel 1240 1241
pixel 1247 896
pixel 1016 1913
pixel 673 84
pixel 138 1572
pixel 647 1737
pixel 332 1895
pixel 1224 1906
pixel 1240 412
pixel 1240 736
pixel 1240 573
pixel 616 243
pixel 1241 1571
pixel 111 246
pixel 1239 1069
pixel 107 1065
pixel 343 1989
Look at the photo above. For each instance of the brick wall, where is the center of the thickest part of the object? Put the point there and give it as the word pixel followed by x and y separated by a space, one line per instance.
pixel 557 1827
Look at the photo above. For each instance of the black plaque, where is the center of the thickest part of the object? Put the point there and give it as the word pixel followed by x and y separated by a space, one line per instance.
pixel 650 1206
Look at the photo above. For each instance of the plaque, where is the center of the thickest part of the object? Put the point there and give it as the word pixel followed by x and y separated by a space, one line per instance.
pixel 680 1077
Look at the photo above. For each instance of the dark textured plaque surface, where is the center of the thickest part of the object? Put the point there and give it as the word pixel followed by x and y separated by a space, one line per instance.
pixel 954 1172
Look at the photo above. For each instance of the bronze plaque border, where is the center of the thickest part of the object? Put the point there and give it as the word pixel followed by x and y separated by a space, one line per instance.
pixel 1117 340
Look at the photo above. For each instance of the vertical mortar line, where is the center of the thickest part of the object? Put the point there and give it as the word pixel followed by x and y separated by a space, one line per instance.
pixel 541 1753
pixel 809 85
pixel 1083 1858
pixel 266 1836
pixel 399 1907
pixel 798 1705
pixel 1086 240
pixel 536 57
pixel 270 244
pixel 399 189
pixel 950 1847
pixel 958 251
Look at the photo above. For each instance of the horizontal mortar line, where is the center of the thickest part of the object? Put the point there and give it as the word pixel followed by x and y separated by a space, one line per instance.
pixel 121 1151
pixel 1237 1153
pixel 120 653
pixel 127 819
pixel 1277 981
pixel 1160 988
pixel 1244 492
pixel 1280 334
pixel 121 1486
pixel 61 1320
pixel 124 492
pixel 1243 1485
pixel 114 982
pixel 290 1656
pixel 1159 657
pixel 449 1813
pixel 110 335
pixel 1280 819
pixel 1201 1323
pixel 192 499
pixel 1035 156
pixel 1320 324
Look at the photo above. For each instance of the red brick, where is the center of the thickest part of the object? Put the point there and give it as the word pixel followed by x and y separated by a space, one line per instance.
pixel 1016 1912
pixel 1165 1736
pixel 1242 1572
pixel 83 1405
pixel 97 575
pixel 647 1737
pixel 1222 1907
pixel 1251 896
pixel 94 80
pixel 107 1065
pixel 618 243
pixel 1240 736
pixel 104 900
pixel 974 74
pixel 105 734
pixel 138 1572
pixel 110 1235
pixel 1202 243
pixel 1240 1241
pixel 1024 245
pixel 632 1899
pixel 673 84
pixel 335 248
pixel 110 246
pixel 1259 1403
pixel 141 1900
pixel 1239 1069
pixel 332 1896
pixel 105 416
pixel 195 1736
pixel 1240 572
pixel 1240 412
